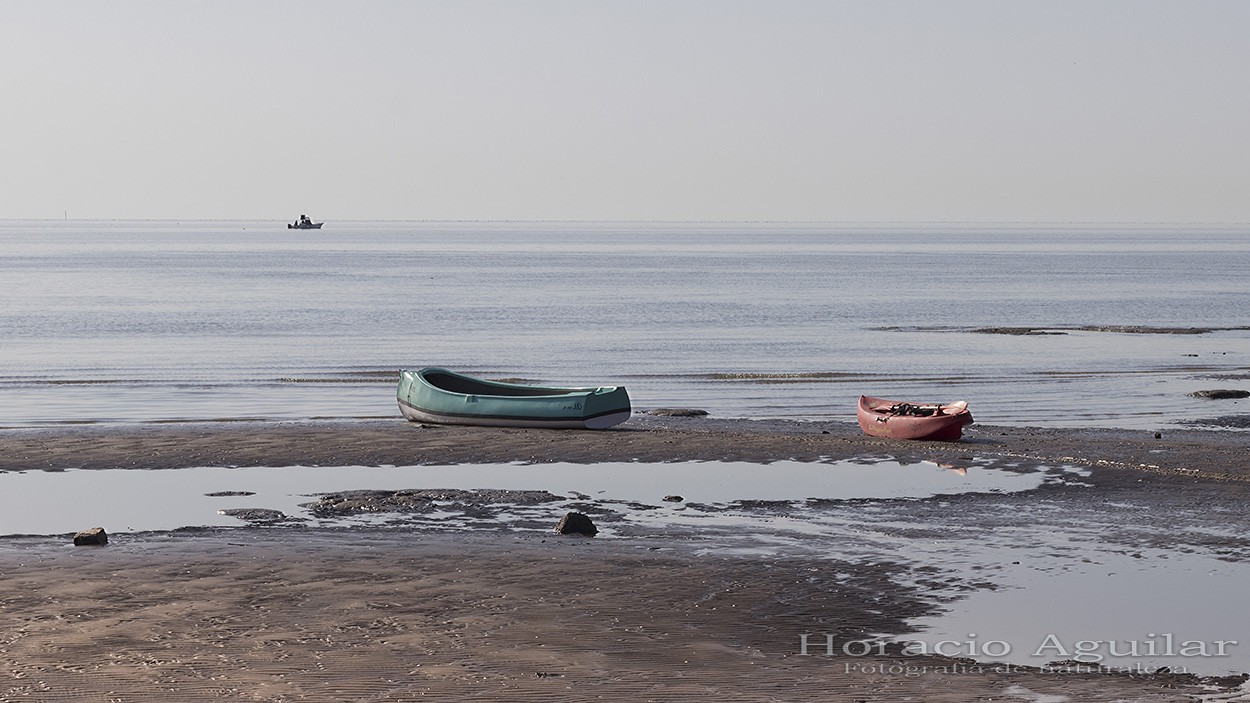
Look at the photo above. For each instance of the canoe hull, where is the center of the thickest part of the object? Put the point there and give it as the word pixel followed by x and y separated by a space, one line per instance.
pixel 440 396
pixel 601 422
pixel 946 425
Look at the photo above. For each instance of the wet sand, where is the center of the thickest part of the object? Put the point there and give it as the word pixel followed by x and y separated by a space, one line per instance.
pixel 336 615
pixel 1196 453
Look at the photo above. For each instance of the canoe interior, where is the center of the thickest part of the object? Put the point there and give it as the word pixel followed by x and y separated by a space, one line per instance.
pixel 456 383
pixel 899 407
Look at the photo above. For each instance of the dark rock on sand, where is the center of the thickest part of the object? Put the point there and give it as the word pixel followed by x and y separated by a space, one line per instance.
pixel 576 524
pixel 673 499
pixel 676 412
pixel 1221 394
pixel 94 536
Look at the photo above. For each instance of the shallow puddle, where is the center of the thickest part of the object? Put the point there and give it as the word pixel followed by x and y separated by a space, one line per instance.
pixel 1125 612
pixel 41 502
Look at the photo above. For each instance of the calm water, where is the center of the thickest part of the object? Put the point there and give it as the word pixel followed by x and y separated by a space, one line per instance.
pixel 157 321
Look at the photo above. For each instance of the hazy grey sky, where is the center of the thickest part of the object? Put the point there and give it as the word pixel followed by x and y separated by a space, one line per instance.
pixel 1130 110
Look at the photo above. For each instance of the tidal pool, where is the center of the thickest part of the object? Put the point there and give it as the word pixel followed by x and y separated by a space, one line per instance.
pixel 136 500
pixel 1134 612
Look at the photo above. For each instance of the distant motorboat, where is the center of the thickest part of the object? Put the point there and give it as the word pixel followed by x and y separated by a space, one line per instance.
pixel 899 420
pixel 304 223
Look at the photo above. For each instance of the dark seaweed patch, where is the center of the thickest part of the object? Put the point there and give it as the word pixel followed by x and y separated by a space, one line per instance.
pixel 420 501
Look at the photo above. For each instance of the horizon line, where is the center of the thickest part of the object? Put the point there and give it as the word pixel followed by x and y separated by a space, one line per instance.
pixel 653 221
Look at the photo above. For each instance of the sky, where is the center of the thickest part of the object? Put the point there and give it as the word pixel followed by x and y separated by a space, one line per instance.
pixel 671 110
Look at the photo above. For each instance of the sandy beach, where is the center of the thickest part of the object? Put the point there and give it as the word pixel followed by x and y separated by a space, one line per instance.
pixel 285 614
pixel 1194 453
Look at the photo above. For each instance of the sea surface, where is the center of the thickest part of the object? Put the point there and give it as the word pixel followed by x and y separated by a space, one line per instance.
pixel 1059 325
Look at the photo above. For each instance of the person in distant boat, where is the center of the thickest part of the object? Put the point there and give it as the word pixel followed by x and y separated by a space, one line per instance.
pixel 303 220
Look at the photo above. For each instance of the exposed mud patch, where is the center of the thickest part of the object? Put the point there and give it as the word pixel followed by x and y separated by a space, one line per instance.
pixel 423 500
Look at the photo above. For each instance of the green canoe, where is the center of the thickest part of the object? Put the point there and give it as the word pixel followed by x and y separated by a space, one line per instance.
pixel 438 395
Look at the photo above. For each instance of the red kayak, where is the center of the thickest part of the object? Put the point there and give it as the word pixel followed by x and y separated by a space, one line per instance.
pixel 896 419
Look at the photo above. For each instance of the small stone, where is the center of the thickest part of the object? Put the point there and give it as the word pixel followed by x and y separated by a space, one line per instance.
pixel 674 499
pixel 94 536
pixel 1158 435
pixel 574 523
